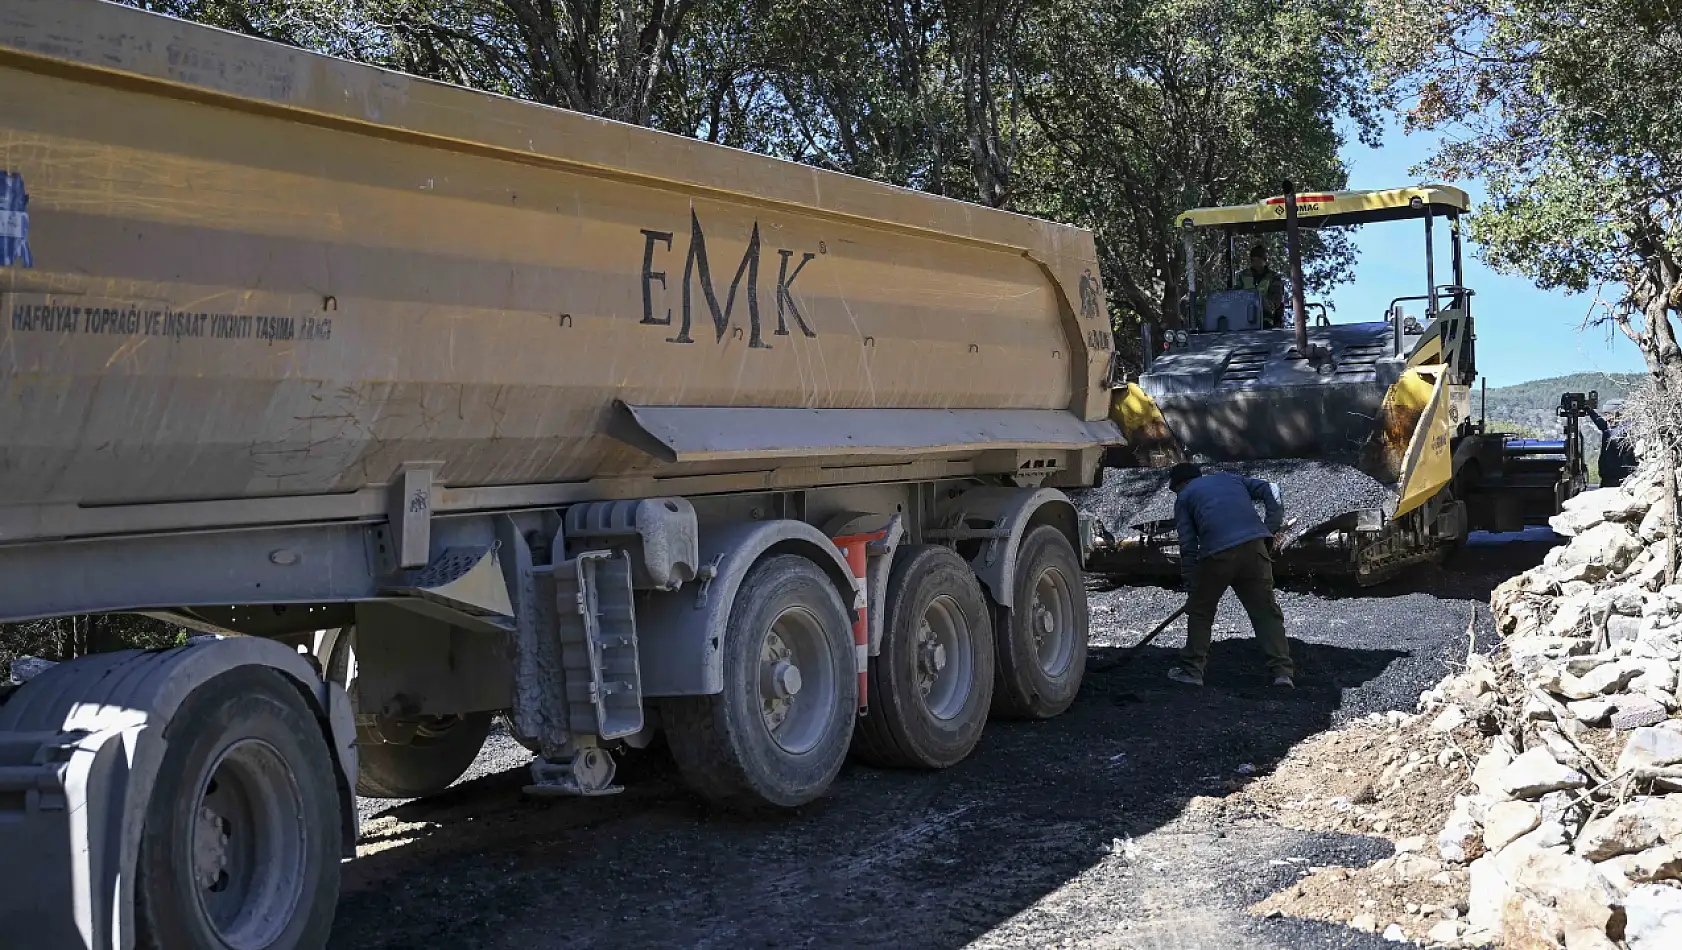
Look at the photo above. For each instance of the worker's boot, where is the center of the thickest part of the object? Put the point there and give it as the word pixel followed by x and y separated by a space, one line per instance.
pixel 1189 677
pixel 1284 682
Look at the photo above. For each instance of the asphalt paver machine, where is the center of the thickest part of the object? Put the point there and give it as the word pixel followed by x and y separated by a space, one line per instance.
pixel 1389 396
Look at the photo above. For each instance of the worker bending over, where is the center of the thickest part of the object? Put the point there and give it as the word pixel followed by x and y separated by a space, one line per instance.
pixel 1223 544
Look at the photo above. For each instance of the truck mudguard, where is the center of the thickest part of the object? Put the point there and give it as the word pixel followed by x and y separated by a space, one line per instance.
pixel 1010 511
pixel 682 633
pixel 82 742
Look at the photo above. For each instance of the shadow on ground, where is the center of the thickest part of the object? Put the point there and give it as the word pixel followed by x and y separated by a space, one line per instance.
pixel 887 859
pixel 1101 828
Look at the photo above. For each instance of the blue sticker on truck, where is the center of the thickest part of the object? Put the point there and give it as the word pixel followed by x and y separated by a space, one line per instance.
pixel 14 222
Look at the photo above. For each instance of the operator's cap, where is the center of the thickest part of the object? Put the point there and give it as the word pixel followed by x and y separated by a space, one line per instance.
pixel 1182 473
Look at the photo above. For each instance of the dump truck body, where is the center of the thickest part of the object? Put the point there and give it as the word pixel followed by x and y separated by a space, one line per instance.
pixel 258 272
pixel 485 407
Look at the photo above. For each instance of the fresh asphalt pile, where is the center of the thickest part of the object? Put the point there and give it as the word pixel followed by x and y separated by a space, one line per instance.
pixel 1315 492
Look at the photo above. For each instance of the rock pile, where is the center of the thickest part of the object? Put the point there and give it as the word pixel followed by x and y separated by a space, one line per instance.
pixel 1570 828
pixel 1535 797
pixel 1390 775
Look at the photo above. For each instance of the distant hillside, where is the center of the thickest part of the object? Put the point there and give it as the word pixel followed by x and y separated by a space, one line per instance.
pixel 1530 409
pixel 1532 405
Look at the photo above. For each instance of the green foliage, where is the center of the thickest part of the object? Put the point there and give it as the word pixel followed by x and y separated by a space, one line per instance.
pixel 1151 107
pixel 1114 115
pixel 65 638
pixel 1571 112
pixel 1515 430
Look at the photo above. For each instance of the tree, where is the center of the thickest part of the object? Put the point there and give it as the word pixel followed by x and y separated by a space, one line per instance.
pixel 1571 112
pixel 1114 115
pixel 586 55
pixel 1151 107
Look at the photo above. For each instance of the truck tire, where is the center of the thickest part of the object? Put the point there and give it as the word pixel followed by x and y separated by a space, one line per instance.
pixel 240 845
pixel 932 683
pixel 1042 639
pixel 778 732
pixel 443 748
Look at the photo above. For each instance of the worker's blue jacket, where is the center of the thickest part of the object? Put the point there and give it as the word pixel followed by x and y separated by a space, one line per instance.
pixel 1217 511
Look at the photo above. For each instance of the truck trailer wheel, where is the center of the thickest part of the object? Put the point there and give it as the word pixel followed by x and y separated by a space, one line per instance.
pixel 1042 639
pixel 442 749
pixel 778 733
pixel 240 846
pixel 932 682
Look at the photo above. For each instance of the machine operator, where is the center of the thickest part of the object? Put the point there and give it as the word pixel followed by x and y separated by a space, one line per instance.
pixel 1224 544
pixel 1261 279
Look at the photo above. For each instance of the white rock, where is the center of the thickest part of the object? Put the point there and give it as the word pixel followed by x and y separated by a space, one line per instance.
pixel 1663 863
pixel 1573 889
pixel 1660 637
pixel 1583 511
pixel 1395 934
pixel 1633 826
pixel 1657 676
pixel 1630 599
pixel 1609 678
pixel 1552 737
pixel 1578 572
pixel 1445 931
pixel 1621 629
pixel 1592 711
pixel 1583 665
pixel 1486 775
pixel 1488 895
pixel 1653 523
pixel 1449 720
pixel 1506 821
pixel 1535 773
pixel 1652 575
pixel 1414 844
pixel 1364 922
pixel 1563 809
pixel 1571 616
pixel 1529 654
pixel 1548 836
pixel 1653 918
pixel 1651 746
pixel 1414 867
pixel 1634 712
pixel 1461 839
pixel 1606 548
pixel 1539 708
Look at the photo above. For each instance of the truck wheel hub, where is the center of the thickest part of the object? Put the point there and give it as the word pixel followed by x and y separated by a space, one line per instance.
pixel 931 658
pixel 248 847
pixel 782 680
pixel 779 680
pixel 210 849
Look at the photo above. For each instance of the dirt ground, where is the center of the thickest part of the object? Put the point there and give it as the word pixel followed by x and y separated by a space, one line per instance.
pixel 1145 817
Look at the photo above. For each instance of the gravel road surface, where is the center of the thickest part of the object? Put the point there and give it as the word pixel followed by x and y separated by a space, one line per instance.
pixel 1101 828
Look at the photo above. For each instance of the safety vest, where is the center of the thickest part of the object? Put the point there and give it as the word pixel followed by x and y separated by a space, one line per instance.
pixel 1247 281
pixel 1265 287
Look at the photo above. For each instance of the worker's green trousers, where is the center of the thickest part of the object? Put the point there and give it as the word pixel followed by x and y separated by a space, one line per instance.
pixel 1248 570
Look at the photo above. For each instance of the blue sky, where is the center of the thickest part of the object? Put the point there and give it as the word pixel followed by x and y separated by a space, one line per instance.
pixel 1524 333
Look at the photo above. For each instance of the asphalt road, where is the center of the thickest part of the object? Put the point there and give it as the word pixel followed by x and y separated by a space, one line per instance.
pixel 1090 830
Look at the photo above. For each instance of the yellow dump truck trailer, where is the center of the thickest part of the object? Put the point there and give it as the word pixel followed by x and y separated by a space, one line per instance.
pixel 428 405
